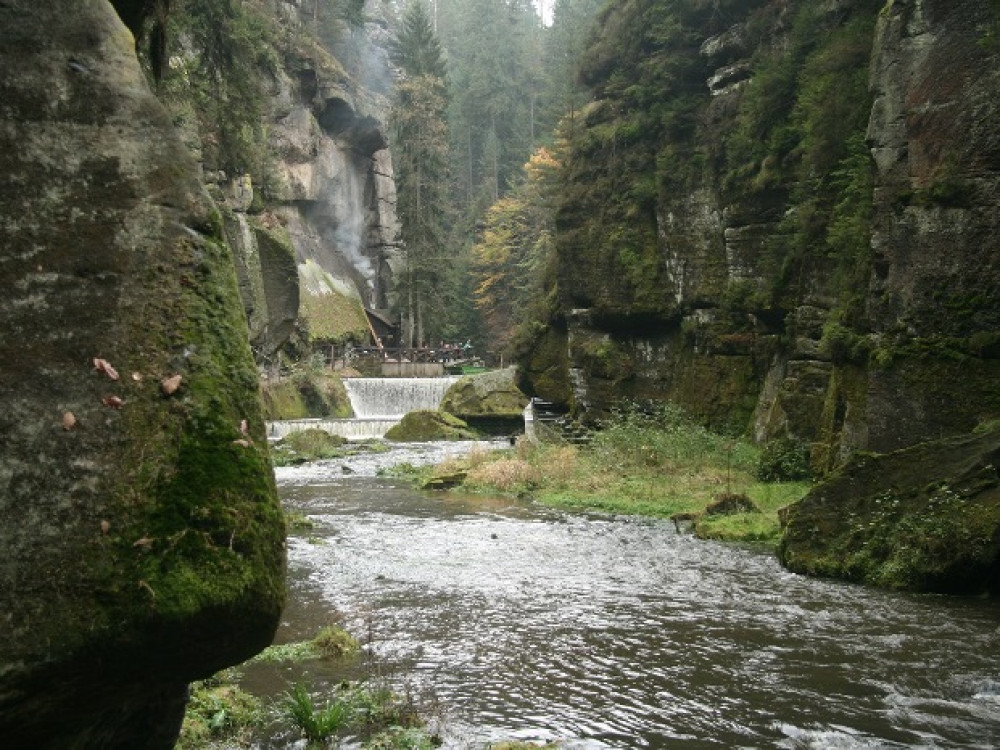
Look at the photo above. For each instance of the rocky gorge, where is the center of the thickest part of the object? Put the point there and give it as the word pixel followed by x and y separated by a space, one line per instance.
pixel 787 223
pixel 785 220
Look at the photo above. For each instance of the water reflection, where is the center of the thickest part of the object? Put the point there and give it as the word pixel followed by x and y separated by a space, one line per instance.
pixel 616 632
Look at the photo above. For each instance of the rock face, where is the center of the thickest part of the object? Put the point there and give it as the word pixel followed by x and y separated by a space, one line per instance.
pixel 924 518
pixel 141 541
pixel 800 239
pixel 338 196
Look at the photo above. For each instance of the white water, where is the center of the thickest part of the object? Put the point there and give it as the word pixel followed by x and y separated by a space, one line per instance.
pixel 378 404
pixel 394 397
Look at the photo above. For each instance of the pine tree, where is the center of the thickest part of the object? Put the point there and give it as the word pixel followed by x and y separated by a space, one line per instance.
pixel 420 155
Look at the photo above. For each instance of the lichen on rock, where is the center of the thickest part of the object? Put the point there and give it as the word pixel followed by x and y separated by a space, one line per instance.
pixel 142 547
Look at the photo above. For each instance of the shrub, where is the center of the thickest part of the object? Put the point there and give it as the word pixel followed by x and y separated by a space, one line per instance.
pixel 784 460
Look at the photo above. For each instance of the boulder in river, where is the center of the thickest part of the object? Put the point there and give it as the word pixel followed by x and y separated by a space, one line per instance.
pixel 426 425
pixel 925 518
pixel 490 401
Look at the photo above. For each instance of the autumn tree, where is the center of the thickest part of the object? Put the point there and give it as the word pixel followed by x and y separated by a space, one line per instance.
pixel 512 256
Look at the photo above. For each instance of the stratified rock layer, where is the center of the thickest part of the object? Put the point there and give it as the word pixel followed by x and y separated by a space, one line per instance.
pixel 141 542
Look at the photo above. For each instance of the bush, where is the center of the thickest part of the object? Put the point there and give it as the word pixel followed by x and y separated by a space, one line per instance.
pixel 784 460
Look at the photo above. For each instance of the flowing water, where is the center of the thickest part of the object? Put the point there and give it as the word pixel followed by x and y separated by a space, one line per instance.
pixel 378 404
pixel 602 632
pixel 394 397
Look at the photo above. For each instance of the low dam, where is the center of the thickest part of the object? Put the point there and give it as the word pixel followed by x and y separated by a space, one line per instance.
pixel 377 403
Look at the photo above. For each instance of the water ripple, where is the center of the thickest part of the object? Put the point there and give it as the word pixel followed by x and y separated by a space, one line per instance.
pixel 615 632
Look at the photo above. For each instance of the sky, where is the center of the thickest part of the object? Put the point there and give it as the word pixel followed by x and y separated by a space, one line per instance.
pixel 544 8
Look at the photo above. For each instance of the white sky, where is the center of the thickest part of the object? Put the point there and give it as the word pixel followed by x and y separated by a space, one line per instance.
pixel 544 8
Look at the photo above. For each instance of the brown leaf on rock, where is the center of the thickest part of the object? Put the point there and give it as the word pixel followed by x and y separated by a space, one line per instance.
pixel 102 365
pixel 68 420
pixel 113 401
pixel 170 385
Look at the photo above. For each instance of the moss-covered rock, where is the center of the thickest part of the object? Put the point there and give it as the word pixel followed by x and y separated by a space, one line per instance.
pixel 141 540
pixel 418 426
pixel 543 369
pixel 925 518
pixel 306 394
pixel 487 394
pixel 307 445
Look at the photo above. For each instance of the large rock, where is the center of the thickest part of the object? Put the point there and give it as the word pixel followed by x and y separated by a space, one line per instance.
pixel 141 541
pixel 924 518
pixel 488 394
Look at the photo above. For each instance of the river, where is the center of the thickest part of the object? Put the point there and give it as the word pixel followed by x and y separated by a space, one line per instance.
pixel 617 632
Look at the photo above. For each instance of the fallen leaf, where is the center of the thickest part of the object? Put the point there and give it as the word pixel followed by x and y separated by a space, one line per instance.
pixel 113 401
pixel 244 427
pixel 69 420
pixel 145 542
pixel 102 365
pixel 136 376
pixel 105 527
pixel 170 385
pixel 244 443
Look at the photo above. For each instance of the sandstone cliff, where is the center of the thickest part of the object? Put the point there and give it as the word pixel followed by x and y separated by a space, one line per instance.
pixel 783 215
pixel 141 541
pixel 309 200
pixel 785 221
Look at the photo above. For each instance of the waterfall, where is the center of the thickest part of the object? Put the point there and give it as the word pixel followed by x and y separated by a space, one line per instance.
pixel 378 404
pixel 391 398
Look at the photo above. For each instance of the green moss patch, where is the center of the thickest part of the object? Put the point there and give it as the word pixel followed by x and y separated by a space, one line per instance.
pixel 925 518
pixel 418 426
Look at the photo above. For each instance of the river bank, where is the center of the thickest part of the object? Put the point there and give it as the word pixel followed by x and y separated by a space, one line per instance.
pixel 645 463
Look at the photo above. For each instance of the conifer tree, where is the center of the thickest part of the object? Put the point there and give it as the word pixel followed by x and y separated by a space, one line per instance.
pixel 420 156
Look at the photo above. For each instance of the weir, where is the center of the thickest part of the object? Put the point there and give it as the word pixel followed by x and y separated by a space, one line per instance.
pixel 378 404
pixel 394 397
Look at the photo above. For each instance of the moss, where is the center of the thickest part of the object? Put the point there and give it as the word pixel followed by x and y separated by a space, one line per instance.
pixel 486 394
pixel 544 366
pixel 202 540
pixel 307 393
pixel 925 518
pixel 429 425
pixel 308 445
pixel 332 312
pixel 331 642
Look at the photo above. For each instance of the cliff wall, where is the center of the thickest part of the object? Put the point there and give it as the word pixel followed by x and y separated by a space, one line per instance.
pixel 141 540
pixel 307 180
pixel 782 215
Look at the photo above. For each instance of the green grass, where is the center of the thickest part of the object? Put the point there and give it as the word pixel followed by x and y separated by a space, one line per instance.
pixel 331 642
pixel 651 462
pixel 220 714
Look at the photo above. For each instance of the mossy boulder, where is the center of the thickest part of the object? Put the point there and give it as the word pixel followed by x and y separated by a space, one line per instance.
pixel 421 426
pixel 308 445
pixel 488 394
pixel 925 518
pixel 141 539
pixel 305 395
